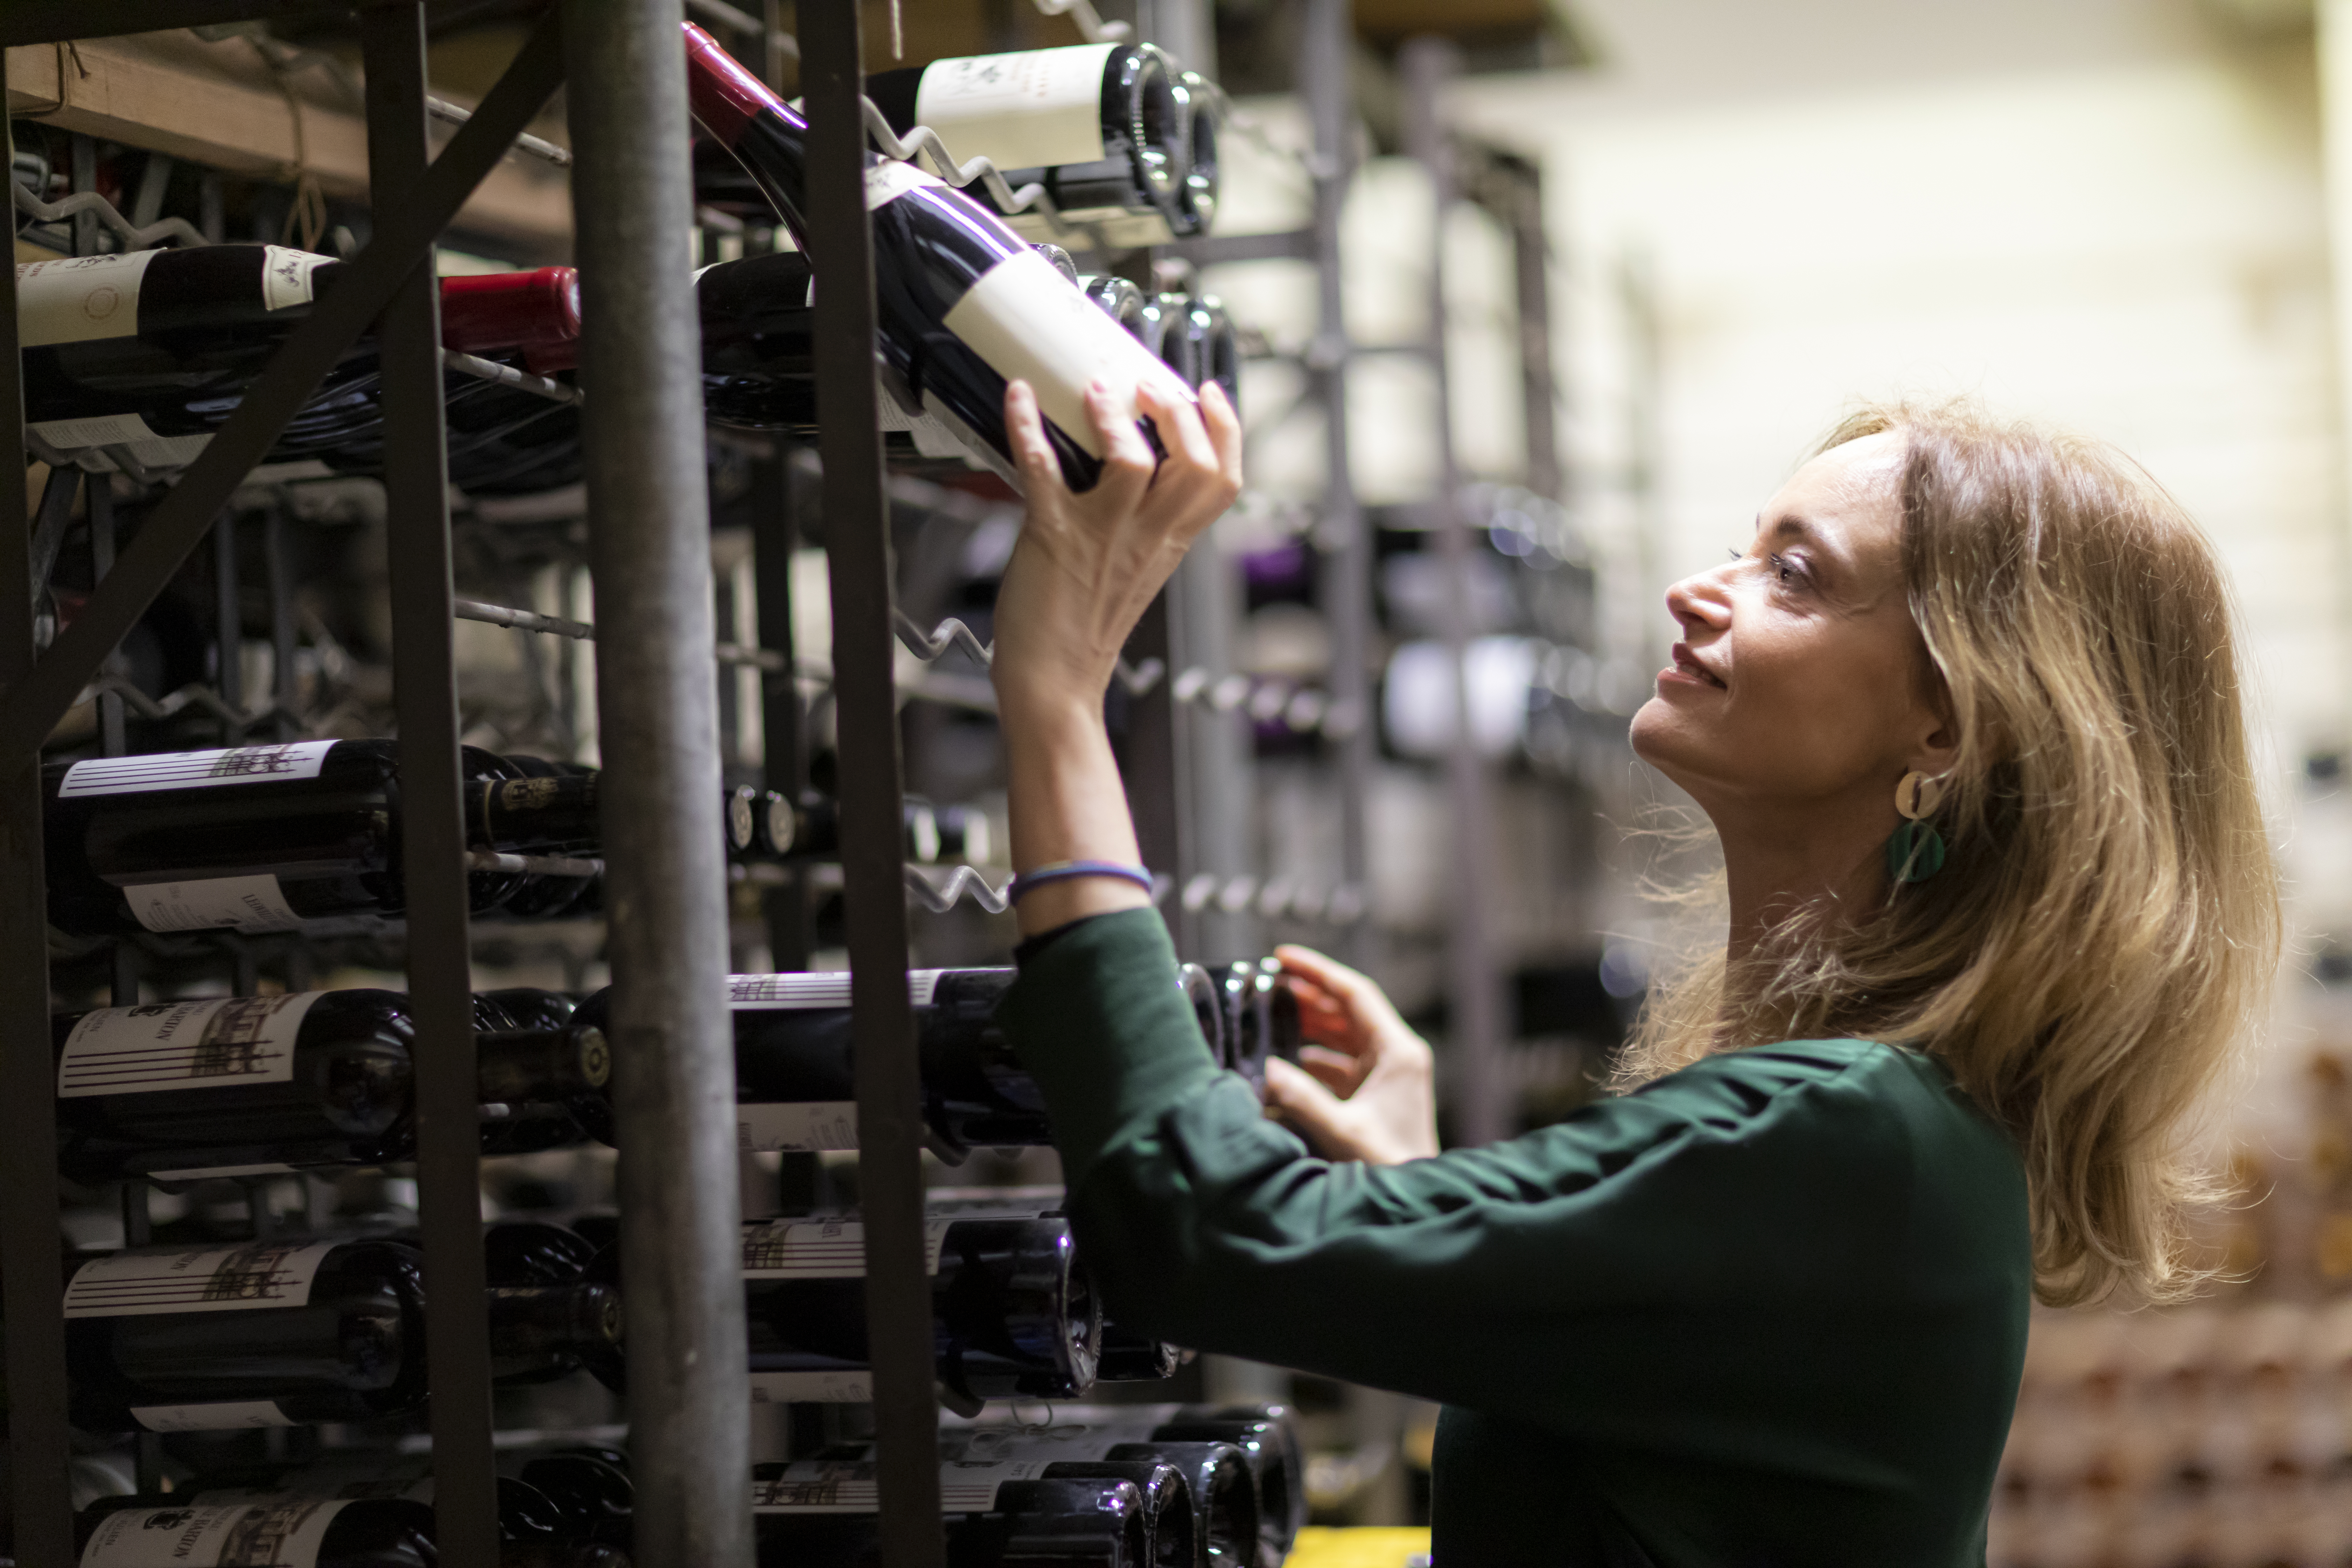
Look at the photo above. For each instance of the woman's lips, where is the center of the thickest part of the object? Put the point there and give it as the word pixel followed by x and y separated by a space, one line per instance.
pixel 1686 666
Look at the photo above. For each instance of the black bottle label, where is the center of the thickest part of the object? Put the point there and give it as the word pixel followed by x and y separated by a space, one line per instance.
pixel 167 1047
pixel 150 1281
pixel 284 1533
pixel 195 770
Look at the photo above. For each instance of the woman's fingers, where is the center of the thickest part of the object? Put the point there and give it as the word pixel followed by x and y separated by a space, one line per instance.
pixel 1356 993
pixel 1335 1070
pixel 1178 420
pixel 1312 1112
pixel 1026 426
pixel 1128 462
pixel 1225 431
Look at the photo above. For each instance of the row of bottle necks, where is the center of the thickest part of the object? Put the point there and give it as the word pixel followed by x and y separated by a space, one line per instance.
pixel 284 838
pixel 1165 1486
pixel 250 1086
pixel 162 394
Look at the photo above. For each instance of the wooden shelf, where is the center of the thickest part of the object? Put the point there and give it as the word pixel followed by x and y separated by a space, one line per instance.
pixel 216 104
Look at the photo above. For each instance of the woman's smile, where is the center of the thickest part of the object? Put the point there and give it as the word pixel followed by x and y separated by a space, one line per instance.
pixel 1686 670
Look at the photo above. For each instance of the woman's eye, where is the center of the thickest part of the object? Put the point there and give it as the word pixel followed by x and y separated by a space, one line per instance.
pixel 1783 572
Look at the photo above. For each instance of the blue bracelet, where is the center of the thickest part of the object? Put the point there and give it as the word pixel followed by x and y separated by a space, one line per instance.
pixel 1060 869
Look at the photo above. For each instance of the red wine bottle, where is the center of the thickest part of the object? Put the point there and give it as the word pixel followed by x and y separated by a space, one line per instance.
pixel 153 350
pixel 796 1087
pixel 285 1333
pixel 1099 125
pixel 1118 298
pixel 1221 1491
pixel 964 305
pixel 1215 352
pixel 257 1085
pixel 261 838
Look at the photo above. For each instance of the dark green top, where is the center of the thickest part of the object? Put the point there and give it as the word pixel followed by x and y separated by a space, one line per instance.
pixel 1768 1309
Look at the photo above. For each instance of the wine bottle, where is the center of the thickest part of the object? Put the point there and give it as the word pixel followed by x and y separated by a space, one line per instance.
pixel 284 1333
pixel 166 1531
pixel 1261 1015
pixel 965 836
pixel 822 1514
pixel 592 1489
pixel 1118 298
pixel 1198 98
pixel 1221 1490
pixel 264 839
pixel 1013 1312
pixel 964 306
pixel 1213 353
pixel 526 1514
pixel 1097 124
pixel 153 349
pixel 795 1086
pixel 253 1085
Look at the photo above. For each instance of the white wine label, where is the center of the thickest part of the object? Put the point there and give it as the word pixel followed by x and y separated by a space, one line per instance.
pixel 786 993
pixel 228 1417
pixel 800 1128
pixel 213 903
pixel 195 770
pixel 205 1279
pixel 1020 111
pixel 846 1387
pixel 822 1250
pixel 285 1532
pixel 828 1486
pixel 885 181
pixel 1030 323
pixel 166 1046
pixel 209 1173
pixel 77 301
pixel 286 276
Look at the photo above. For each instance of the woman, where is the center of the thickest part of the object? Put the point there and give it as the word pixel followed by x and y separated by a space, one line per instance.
pixel 1964 715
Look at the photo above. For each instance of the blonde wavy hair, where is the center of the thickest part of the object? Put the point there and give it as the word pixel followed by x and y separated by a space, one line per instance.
pixel 2108 921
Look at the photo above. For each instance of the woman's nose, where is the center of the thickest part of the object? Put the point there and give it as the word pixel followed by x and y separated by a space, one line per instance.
pixel 1698 603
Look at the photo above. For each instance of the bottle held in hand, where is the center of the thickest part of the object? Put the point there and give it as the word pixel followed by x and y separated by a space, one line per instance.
pixel 964 304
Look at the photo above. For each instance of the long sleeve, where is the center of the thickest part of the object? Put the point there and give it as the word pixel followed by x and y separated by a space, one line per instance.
pixel 1696 1269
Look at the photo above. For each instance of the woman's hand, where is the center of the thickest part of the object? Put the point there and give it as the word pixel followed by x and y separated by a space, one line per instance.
pixel 1084 569
pixel 1365 1085
pixel 1087 565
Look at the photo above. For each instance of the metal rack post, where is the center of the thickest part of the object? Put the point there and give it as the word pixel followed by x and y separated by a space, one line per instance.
pixel 1475 1002
pixel 657 697
pixel 1325 54
pixel 39 1442
pixel 857 540
pixel 424 697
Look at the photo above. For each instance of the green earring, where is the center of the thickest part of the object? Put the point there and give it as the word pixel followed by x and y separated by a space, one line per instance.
pixel 1915 852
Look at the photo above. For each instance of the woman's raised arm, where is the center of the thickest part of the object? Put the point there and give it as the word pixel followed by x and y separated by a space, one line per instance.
pixel 1085 569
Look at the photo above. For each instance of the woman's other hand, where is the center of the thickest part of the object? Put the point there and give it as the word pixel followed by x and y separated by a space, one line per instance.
pixel 1364 1087
pixel 1087 565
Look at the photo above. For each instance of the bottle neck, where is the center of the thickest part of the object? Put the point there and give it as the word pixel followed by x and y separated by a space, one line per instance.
pixel 748 116
pixel 531 1320
pixel 525 1065
pixel 521 813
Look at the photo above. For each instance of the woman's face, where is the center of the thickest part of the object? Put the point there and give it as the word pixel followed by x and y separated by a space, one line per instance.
pixel 1795 685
